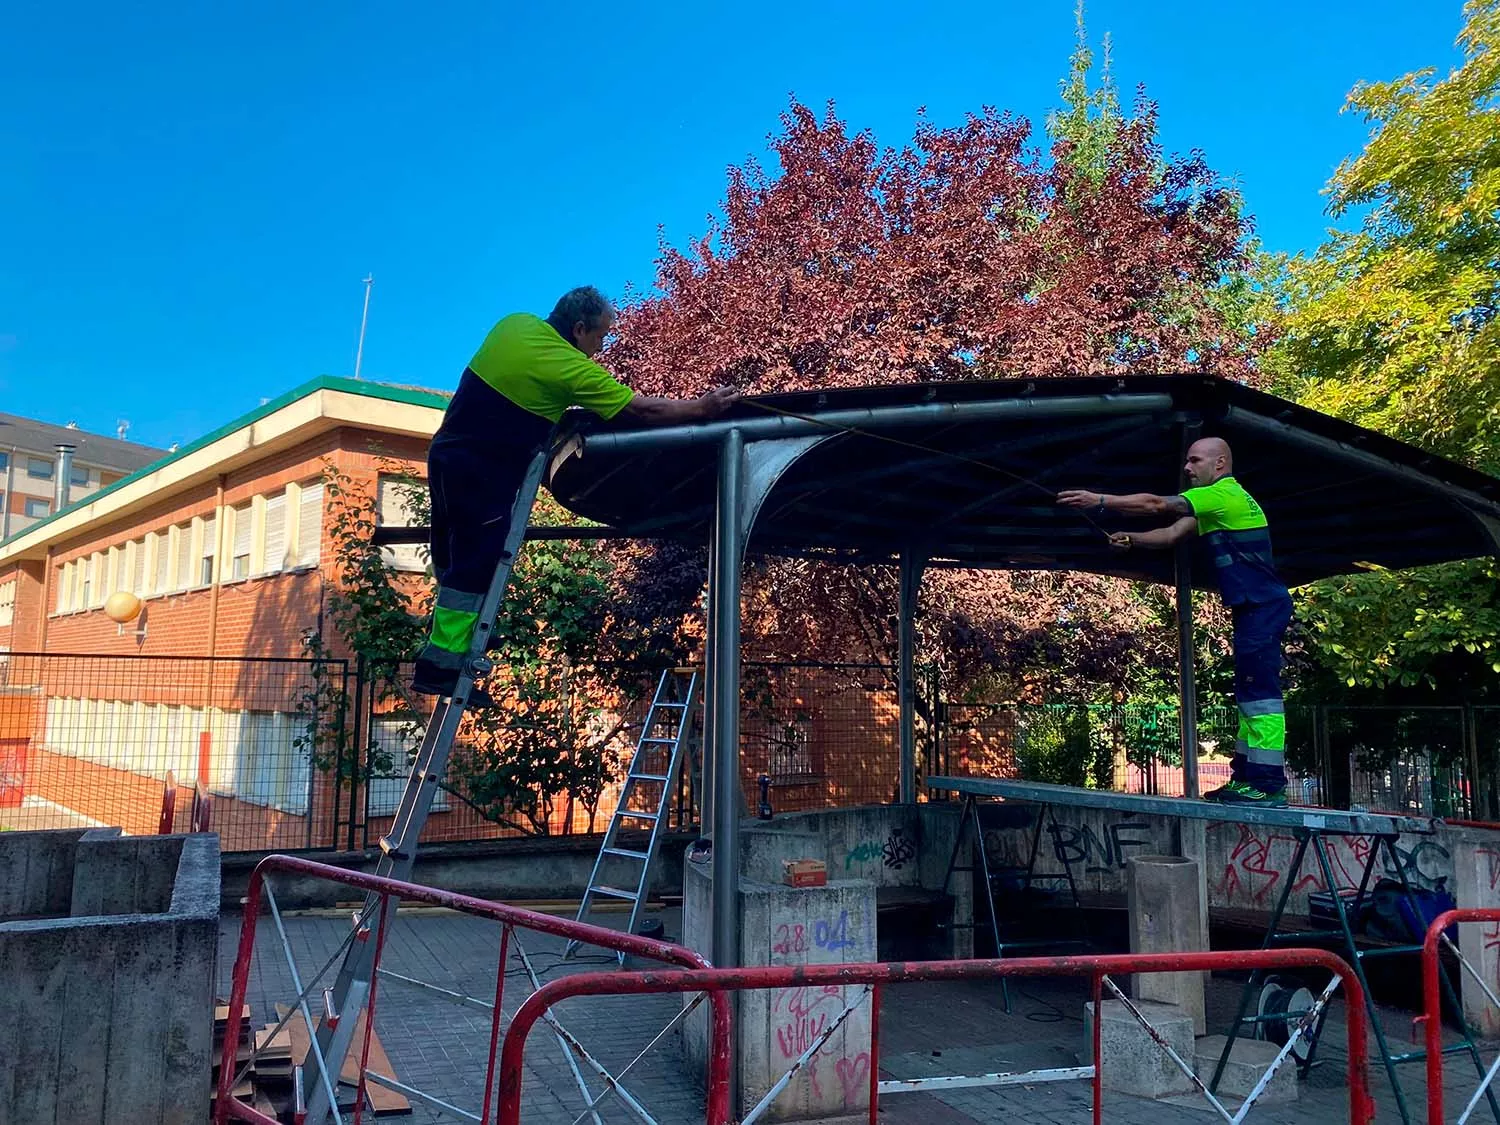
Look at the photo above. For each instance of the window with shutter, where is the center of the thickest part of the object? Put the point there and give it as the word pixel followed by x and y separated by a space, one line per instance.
pixel 309 525
pixel 275 535
pixel 182 567
pixel 162 582
pixel 138 569
pixel 239 555
pixel 210 548
pixel 90 573
pixel 64 586
pixel 395 512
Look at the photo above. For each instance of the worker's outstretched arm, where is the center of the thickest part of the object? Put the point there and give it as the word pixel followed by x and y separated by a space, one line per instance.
pixel 656 410
pixel 1157 538
pixel 1133 504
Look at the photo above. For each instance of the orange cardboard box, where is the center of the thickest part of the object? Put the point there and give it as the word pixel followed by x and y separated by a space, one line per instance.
pixel 805 873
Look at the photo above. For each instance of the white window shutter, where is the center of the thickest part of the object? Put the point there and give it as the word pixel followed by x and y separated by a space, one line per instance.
pixel 310 525
pixel 275 558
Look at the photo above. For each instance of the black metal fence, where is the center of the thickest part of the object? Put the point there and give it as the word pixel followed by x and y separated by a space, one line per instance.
pixel 95 740
pixel 311 754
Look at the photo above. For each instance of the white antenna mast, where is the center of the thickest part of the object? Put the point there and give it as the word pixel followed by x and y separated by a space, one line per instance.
pixel 364 319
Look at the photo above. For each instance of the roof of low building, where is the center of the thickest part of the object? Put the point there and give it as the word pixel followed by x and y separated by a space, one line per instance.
pixel 35 436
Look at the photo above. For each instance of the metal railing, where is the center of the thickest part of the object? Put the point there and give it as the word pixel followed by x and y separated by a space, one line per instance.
pixel 1436 942
pixel 327 1072
pixel 718 982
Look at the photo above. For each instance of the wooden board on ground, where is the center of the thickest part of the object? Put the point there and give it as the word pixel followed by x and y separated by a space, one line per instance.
pixel 384 1102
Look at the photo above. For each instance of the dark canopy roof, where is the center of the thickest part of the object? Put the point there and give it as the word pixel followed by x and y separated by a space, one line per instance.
pixel 966 473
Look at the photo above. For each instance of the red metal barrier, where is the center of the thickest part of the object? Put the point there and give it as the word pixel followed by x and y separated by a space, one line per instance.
pixel 1432 1001
pixel 510 917
pixel 716 982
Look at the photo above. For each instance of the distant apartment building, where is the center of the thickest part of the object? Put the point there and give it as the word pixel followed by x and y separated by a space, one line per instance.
pixel 44 467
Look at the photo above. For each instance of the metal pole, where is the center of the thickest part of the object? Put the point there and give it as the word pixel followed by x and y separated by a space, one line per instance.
pixel 911 580
pixel 756 426
pixel 1186 693
pixel 1182 566
pixel 722 707
pixel 364 319
pixel 10 492
pixel 706 791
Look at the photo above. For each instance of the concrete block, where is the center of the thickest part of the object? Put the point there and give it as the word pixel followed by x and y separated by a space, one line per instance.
pixel 109 1014
pixel 765 847
pixel 1248 1062
pixel 36 873
pixel 1165 910
pixel 1476 872
pixel 1132 1062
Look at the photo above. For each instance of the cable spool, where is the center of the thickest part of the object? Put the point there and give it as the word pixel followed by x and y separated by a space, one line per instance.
pixel 1280 996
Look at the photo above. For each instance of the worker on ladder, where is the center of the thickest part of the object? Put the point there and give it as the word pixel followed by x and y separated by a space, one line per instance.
pixel 1235 530
pixel 511 396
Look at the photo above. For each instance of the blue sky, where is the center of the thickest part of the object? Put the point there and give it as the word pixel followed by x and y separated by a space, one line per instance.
pixel 190 194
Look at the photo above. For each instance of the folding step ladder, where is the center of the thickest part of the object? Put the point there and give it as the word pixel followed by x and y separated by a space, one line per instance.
pixel 645 797
pixel 346 999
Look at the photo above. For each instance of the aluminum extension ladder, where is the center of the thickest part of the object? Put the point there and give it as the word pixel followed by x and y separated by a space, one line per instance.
pixel 343 1002
pixel 654 767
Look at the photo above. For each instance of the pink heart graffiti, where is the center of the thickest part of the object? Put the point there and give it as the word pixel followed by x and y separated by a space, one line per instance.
pixel 854 1075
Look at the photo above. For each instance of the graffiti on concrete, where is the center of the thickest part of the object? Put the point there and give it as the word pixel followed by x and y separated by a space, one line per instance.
pixel 1080 846
pixel 1260 860
pixel 862 853
pixel 900 849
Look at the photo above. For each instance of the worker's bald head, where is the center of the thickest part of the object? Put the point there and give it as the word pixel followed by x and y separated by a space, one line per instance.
pixel 1208 459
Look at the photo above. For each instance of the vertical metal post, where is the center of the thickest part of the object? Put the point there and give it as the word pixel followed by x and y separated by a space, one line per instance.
pixel 722 718
pixel 710 681
pixel 1182 566
pixel 906 632
pixel 1186 692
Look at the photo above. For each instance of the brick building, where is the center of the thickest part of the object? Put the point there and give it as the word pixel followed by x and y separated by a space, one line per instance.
pixel 224 542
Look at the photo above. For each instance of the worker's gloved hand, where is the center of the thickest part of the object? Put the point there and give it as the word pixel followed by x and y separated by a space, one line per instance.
pixel 717 401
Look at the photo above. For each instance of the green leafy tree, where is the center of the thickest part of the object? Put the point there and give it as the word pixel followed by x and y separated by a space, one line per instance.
pixel 1393 325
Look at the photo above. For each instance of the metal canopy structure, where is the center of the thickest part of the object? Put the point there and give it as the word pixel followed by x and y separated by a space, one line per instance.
pixel 966 474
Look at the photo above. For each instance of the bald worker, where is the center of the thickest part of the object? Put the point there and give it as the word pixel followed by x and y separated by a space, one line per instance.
pixel 1234 528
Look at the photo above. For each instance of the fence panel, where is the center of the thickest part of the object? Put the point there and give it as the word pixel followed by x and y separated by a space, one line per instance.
pixel 88 740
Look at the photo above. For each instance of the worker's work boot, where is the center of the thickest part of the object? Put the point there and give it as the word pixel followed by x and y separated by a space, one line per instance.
pixel 1240 793
pixel 433 680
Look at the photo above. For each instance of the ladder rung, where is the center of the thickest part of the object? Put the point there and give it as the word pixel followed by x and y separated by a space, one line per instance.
pixel 621 814
pixel 616 892
pixel 679 706
pixel 626 853
pixel 390 849
pixel 648 777
pixel 330 1013
pixel 661 741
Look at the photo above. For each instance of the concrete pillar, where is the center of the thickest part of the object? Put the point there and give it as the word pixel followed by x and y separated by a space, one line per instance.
pixel 1476 873
pixel 1166 916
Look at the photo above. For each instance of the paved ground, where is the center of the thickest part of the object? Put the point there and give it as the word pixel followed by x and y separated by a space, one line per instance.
pixel 925 1029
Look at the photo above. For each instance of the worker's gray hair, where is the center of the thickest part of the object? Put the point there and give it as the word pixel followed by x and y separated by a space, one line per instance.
pixel 584 304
